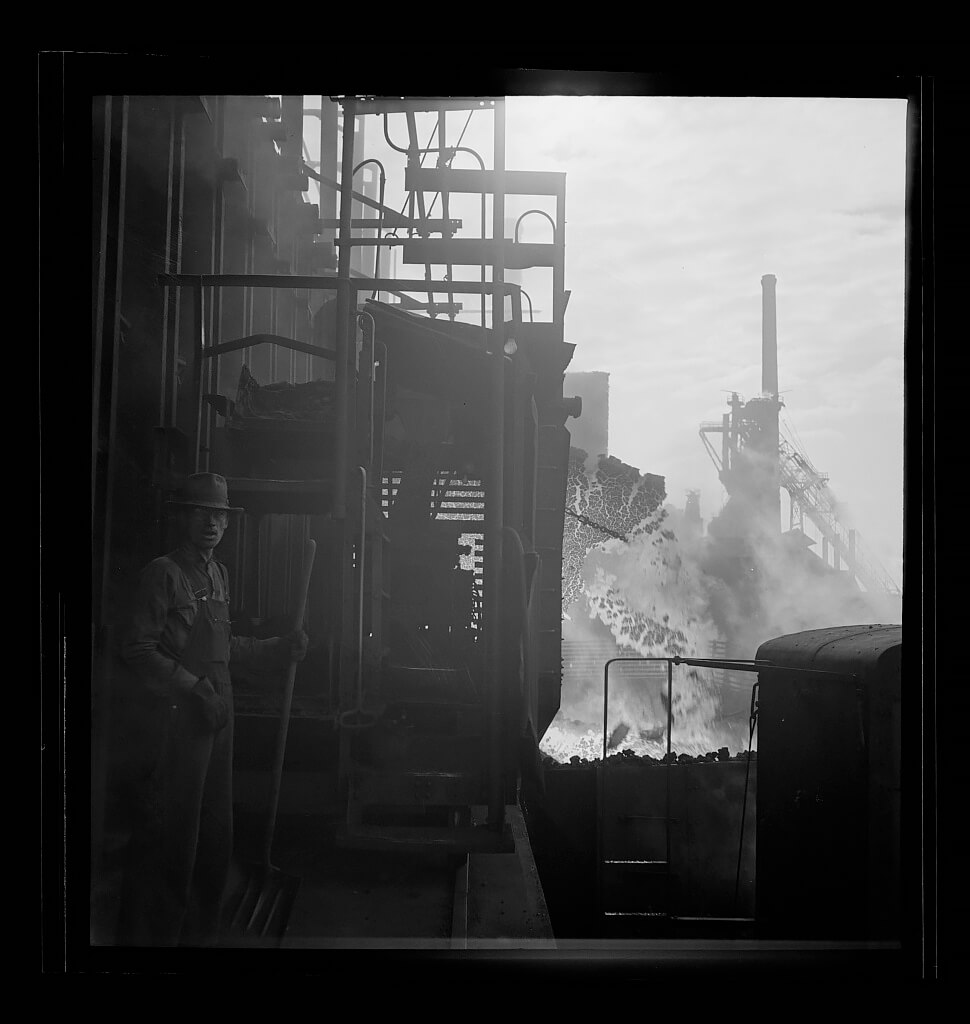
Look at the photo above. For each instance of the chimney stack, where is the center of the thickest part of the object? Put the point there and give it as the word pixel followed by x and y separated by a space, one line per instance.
pixel 769 337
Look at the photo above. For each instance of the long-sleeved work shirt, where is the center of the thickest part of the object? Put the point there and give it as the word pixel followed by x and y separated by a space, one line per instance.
pixel 164 611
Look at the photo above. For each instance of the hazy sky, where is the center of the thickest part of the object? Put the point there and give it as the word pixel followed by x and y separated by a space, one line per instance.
pixel 675 208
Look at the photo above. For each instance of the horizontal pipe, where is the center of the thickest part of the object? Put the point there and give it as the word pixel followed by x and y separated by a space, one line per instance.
pixel 373 242
pixel 447 308
pixel 741 665
pixel 417 104
pixel 398 220
pixel 476 251
pixel 520 183
pixel 472 252
pixel 745 665
pixel 384 284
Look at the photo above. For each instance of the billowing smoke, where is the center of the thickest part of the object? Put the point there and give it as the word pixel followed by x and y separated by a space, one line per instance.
pixel 764 583
pixel 669 590
pixel 647 597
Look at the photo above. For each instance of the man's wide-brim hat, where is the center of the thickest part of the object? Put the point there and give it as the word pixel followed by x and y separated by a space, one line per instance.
pixel 204 490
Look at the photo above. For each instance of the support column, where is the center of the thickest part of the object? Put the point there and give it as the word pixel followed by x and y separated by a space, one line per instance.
pixel 173 253
pixel 340 550
pixel 113 155
pixel 495 493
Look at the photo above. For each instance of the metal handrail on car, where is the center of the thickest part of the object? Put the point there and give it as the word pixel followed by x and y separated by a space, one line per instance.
pixel 742 665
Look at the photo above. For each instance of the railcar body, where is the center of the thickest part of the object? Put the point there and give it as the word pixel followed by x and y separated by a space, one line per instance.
pixel 829 783
pixel 241 332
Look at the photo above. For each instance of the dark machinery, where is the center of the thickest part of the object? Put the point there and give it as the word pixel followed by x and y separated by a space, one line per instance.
pixel 424 457
pixel 828 841
pixel 800 842
pixel 427 460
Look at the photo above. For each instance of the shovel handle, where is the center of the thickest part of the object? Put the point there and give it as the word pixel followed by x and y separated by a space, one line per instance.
pixel 280 750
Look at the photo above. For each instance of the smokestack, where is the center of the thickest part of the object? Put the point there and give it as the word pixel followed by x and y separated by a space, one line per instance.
pixel 769 337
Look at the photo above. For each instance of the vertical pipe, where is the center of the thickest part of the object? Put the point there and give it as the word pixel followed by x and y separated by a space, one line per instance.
pixel 670 728
pixel 106 338
pixel 606 702
pixel 198 359
pixel 104 405
pixel 735 427
pixel 171 309
pixel 343 313
pixel 361 566
pixel 365 447
pixel 218 249
pixel 415 156
pixel 495 494
pixel 345 329
pixel 358 209
pixel 752 719
pixel 369 356
pixel 769 336
pixel 559 265
pixel 442 135
pixel 494 505
pixel 601 801
pixel 377 472
pixel 252 188
pixel 328 202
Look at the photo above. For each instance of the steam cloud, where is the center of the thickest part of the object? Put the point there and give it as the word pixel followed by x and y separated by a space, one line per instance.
pixel 669 590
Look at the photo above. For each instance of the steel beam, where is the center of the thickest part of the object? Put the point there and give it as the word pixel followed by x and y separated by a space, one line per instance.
pixel 560 297
pixel 393 219
pixel 443 160
pixel 171 307
pixel 519 183
pixel 495 490
pixel 104 380
pixel 473 252
pixel 104 392
pixel 417 104
pixel 198 347
pixel 386 284
pixel 327 170
pixel 345 294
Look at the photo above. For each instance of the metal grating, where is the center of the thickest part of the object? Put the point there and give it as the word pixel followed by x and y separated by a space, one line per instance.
pixel 455 500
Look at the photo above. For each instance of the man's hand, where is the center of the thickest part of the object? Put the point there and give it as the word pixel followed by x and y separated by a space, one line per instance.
pixel 294 644
pixel 214 709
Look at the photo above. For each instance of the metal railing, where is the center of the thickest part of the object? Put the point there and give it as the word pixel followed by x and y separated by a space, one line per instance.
pixel 741 665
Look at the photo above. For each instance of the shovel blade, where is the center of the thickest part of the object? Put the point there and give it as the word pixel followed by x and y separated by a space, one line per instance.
pixel 259 911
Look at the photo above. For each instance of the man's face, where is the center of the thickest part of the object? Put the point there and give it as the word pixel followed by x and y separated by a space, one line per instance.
pixel 205 527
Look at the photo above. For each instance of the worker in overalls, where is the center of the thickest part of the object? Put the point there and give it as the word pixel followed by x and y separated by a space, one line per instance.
pixel 180 645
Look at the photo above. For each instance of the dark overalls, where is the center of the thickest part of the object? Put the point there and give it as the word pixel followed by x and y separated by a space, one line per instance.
pixel 181 850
